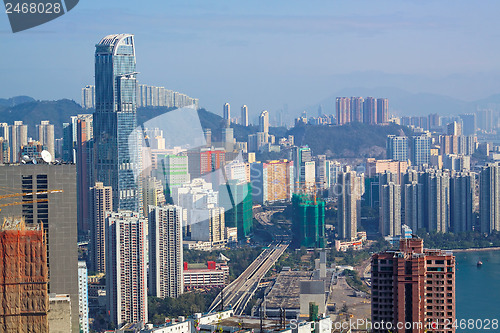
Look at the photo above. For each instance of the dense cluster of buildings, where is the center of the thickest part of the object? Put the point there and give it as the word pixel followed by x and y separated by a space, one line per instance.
pixel 140 200
pixel 367 110
pixel 15 144
pixel 147 96
pixel 428 182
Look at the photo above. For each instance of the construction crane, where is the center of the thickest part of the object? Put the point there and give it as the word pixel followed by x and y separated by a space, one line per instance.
pixel 13 195
pixel 28 193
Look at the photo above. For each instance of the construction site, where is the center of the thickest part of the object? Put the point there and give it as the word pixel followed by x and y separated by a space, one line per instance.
pixel 24 300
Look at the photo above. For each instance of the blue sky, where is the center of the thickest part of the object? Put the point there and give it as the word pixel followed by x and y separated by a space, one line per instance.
pixel 265 53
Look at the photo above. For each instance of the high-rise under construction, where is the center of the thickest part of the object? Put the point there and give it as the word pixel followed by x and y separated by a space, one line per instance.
pixel 24 300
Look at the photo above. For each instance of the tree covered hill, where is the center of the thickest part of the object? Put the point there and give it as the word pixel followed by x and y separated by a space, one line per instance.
pixel 349 140
pixel 13 101
pixel 32 112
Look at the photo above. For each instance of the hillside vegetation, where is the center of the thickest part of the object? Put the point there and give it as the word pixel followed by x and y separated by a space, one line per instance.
pixel 32 112
pixel 350 140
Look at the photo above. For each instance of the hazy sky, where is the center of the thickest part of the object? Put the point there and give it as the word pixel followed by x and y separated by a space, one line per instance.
pixel 265 53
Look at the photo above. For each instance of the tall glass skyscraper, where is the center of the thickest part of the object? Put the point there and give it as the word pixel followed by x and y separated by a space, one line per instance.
pixel 116 154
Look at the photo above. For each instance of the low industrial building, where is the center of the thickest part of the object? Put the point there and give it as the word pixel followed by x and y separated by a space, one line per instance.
pixel 213 275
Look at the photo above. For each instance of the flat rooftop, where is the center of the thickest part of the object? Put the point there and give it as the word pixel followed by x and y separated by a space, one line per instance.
pixel 285 292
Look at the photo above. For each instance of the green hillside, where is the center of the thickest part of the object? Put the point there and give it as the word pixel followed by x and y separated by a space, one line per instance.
pixel 350 140
pixel 31 113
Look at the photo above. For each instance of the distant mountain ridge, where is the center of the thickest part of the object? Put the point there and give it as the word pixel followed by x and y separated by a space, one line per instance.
pixel 31 112
pixel 404 103
pixel 401 102
pixel 13 101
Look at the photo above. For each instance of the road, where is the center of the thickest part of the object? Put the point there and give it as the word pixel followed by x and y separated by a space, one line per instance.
pixel 276 232
pixel 342 294
pixel 241 290
pixel 265 217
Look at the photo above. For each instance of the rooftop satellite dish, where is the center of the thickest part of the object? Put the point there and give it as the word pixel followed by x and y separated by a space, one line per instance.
pixel 26 158
pixel 34 161
pixel 46 156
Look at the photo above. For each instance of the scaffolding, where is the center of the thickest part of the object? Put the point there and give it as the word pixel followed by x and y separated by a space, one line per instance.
pixel 24 298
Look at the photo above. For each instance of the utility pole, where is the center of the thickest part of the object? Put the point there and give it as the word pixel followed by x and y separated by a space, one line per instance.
pixel 261 315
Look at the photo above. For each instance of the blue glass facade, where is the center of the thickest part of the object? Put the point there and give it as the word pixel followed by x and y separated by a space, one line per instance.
pixel 117 153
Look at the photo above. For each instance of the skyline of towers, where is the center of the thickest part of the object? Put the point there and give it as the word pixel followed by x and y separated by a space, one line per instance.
pixel 147 96
pixel 116 148
pixel 165 251
pixel 367 110
pixel 430 200
pixel 152 96
pixel 126 282
pixel 388 190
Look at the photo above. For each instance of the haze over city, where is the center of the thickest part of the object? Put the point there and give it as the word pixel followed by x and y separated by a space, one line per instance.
pixel 266 54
